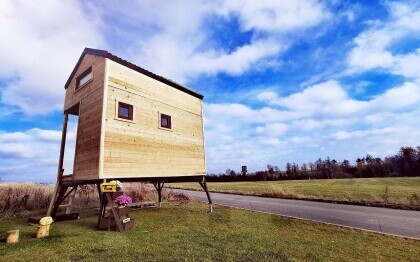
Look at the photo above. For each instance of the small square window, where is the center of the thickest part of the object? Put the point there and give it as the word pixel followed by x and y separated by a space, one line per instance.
pixel 84 78
pixel 125 111
pixel 165 121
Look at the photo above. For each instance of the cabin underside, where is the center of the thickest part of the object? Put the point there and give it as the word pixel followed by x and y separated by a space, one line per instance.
pixel 67 186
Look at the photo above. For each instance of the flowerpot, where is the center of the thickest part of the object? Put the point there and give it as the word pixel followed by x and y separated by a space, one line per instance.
pixel 123 211
pixel 128 225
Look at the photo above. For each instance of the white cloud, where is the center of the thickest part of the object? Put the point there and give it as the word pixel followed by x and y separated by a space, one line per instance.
pixel 33 154
pixel 159 52
pixel 328 98
pixel 272 129
pixel 406 95
pixel 240 113
pixel 373 47
pixel 41 43
pixel 234 63
pixel 342 135
pixel 327 101
pixel 276 16
pixel 321 120
pixel 407 65
pixel 45 39
pixel 331 99
pixel 181 47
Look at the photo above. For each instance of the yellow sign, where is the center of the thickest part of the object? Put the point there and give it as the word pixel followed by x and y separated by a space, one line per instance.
pixel 109 187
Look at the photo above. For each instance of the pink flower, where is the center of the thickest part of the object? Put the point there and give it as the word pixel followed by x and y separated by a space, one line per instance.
pixel 123 200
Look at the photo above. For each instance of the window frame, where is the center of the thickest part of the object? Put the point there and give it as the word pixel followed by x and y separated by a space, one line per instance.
pixel 81 76
pixel 130 111
pixel 169 118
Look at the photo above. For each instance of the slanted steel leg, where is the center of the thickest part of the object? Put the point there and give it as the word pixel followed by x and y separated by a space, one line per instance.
pixel 203 184
pixel 159 186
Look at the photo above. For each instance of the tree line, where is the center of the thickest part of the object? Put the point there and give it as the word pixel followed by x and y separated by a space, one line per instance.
pixel 405 163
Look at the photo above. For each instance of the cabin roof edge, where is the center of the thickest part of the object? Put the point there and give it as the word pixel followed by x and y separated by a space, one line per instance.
pixel 106 54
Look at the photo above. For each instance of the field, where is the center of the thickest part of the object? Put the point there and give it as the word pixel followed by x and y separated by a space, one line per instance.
pixel 392 191
pixel 187 232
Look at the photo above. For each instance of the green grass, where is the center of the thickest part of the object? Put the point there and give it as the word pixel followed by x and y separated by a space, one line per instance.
pixel 403 191
pixel 189 233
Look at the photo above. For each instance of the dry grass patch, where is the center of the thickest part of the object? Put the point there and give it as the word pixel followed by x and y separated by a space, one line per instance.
pixel 24 199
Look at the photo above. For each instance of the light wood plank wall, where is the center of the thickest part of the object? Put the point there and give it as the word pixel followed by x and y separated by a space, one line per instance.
pixel 141 148
pixel 90 97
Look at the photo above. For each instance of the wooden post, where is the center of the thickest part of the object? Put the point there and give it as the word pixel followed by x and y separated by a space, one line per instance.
pixel 98 186
pixel 54 197
pixel 159 186
pixel 60 170
pixel 114 213
pixel 12 236
pixel 63 148
pixel 103 202
pixel 71 200
pixel 203 184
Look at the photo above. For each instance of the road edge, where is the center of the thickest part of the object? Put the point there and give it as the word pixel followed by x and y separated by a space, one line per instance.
pixel 344 202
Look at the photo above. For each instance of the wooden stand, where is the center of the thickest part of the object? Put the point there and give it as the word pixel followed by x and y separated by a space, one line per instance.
pixel 113 217
pixel 43 231
pixel 12 236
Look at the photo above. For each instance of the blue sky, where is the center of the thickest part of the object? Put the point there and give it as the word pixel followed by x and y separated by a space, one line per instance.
pixel 284 81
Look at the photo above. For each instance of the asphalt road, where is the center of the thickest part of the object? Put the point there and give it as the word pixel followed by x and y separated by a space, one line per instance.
pixel 385 220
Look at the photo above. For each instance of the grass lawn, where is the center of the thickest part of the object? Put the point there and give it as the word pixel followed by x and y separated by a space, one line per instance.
pixel 404 191
pixel 188 232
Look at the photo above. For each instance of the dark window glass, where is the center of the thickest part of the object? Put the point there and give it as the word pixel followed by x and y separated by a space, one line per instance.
pixel 125 111
pixel 165 121
pixel 84 78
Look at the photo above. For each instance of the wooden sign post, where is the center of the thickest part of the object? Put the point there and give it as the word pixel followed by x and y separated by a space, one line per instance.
pixel 111 216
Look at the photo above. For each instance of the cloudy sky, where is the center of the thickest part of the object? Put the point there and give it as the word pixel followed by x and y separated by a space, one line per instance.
pixel 283 81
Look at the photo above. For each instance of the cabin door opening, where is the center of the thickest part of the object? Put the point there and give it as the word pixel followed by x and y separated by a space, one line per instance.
pixel 71 139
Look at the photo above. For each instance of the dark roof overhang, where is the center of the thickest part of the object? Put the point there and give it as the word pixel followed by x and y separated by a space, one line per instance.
pixel 106 54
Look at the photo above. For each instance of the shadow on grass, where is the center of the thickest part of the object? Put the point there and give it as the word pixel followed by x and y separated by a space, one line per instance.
pixel 283 221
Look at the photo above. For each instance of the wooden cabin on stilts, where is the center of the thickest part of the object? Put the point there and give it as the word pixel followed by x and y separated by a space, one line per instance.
pixel 133 126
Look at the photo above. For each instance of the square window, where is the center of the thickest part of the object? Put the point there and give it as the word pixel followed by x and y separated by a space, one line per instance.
pixel 165 121
pixel 84 78
pixel 125 111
